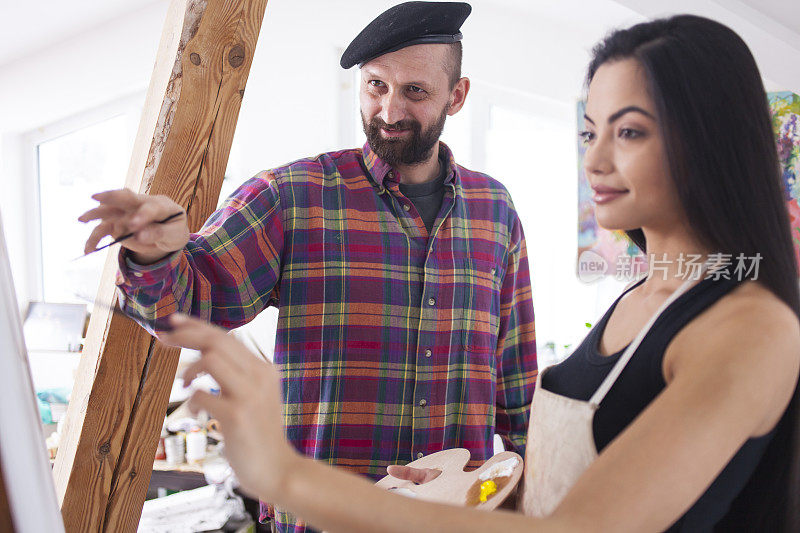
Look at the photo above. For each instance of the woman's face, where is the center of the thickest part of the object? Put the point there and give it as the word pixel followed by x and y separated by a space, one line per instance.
pixel 625 161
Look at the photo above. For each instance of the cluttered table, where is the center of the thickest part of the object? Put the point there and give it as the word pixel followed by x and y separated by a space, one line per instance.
pixel 169 477
pixel 191 486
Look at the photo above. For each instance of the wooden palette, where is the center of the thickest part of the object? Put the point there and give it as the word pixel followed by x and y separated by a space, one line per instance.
pixel 454 486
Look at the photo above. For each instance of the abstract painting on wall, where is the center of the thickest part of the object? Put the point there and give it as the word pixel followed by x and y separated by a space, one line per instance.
pixel 621 258
pixel 785 110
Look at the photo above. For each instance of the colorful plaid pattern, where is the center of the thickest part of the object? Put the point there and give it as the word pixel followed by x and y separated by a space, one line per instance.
pixel 391 343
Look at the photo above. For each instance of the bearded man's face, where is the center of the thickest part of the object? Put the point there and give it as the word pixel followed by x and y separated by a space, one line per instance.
pixel 405 99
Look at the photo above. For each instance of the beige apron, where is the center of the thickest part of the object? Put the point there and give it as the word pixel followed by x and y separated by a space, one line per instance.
pixel 560 438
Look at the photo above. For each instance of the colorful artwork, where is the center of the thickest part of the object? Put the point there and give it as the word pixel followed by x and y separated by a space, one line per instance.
pixel 785 110
pixel 621 258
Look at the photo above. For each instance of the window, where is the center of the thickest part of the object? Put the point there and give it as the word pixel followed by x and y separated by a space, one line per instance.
pixel 75 159
pixel 66 163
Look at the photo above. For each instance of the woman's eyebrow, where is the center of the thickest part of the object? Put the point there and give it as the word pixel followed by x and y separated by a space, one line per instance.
pixel 624 110
pixel 629 109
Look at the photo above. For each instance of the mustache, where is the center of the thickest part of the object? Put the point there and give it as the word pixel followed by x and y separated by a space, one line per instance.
pixel 408 124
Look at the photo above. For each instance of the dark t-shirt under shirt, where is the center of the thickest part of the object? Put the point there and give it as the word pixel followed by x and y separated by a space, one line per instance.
pixel 427 197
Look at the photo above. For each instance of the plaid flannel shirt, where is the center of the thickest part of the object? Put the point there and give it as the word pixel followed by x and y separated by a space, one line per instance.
pixel 392 343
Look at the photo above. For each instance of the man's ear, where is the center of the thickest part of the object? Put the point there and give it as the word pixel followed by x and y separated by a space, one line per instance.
pixel 458 96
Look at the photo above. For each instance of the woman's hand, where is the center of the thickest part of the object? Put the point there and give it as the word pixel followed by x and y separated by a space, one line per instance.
pixel 248 407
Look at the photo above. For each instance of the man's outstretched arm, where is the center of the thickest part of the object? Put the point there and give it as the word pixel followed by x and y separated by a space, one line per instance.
pixel 224 273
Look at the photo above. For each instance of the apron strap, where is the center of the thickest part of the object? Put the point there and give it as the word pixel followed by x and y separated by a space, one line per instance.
pixel 601 391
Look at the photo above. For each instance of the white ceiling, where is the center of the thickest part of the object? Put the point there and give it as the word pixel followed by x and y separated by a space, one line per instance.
pixel 784 12
pixel 29 26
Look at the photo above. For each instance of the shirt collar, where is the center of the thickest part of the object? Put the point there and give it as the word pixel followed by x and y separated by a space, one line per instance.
pixel 379 169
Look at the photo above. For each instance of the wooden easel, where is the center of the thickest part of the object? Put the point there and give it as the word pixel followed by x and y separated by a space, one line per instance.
pixel 5 508
pixel 181 150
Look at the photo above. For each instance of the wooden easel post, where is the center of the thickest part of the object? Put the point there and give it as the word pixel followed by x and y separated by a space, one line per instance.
pixel 119 400
pixel 6 521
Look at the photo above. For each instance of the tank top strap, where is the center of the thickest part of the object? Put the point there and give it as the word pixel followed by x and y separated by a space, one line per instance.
pixel 619 366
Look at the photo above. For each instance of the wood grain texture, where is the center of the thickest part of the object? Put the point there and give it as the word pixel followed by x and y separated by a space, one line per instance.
pixel 181 150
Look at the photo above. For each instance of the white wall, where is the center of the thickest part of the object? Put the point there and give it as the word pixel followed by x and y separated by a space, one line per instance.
pixel 532 52
pixel 12 189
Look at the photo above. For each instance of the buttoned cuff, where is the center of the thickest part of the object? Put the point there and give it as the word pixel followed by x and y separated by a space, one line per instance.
pixel 135 275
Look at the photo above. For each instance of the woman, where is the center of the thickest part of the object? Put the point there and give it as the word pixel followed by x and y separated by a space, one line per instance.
pixel 692 423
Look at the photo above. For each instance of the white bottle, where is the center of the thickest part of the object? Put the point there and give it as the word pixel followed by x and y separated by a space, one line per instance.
pixel 195 446
pixel 174 449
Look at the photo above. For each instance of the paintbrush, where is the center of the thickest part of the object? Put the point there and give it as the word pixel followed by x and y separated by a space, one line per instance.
pixel 129 235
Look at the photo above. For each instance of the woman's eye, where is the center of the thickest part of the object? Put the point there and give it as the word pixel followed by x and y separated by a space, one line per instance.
pixel 586 136
pixel 628 133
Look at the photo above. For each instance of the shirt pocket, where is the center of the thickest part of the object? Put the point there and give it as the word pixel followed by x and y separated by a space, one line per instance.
pixel 481 305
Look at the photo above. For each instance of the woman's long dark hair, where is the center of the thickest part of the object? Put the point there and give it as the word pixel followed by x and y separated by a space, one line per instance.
pixel 722 155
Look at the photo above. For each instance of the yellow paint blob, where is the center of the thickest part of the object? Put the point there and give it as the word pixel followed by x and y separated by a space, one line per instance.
pixel 487 488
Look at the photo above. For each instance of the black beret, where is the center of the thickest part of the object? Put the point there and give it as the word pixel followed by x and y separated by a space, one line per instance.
pixel 404 25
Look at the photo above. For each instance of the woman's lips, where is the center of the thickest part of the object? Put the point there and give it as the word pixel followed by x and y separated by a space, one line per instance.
pixel 604 195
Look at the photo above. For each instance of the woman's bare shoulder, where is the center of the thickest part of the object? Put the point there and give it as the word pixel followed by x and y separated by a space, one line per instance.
pixel 749 311
pixel 748 345
pixel 744 325
pixel 753 304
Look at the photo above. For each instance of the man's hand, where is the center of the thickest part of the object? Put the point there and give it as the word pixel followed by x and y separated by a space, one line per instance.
pixel 414 475
pixel 123 211
pixel 248 407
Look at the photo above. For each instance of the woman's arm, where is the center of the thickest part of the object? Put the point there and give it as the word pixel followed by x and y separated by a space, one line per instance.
pixel 248 410
pixel 719 395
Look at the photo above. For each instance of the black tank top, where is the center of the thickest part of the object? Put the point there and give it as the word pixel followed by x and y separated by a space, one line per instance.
pixel 580 375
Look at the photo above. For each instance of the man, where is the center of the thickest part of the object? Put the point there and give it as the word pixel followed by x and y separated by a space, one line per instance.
pixel 405 319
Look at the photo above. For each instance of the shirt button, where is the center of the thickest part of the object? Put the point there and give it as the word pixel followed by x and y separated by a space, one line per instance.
pixel 427 353
pixel 138 274
pixel 423 402
pixel 493 271
pixel 406 207
pixel 431 301
pixel 420 455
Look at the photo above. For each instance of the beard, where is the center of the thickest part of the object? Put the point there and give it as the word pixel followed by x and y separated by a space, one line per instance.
pixel 414 149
